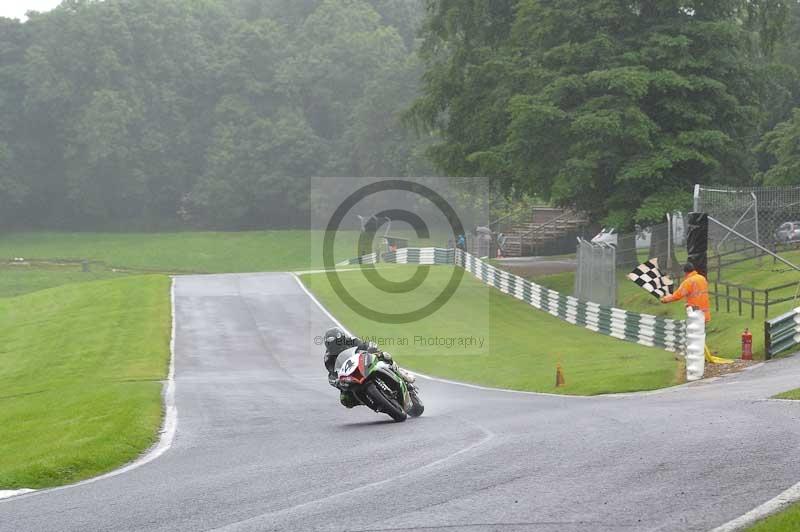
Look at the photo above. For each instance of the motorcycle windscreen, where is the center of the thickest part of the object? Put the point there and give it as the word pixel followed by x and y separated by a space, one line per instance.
pixel 343 357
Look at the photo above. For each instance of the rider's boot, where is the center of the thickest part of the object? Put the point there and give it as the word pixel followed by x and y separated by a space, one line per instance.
pixel 348 400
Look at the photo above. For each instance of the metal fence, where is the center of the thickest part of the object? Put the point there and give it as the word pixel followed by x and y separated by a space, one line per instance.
pixel 751 229
pixel 659 241
pixel 609 255
pixel 596 276
pixel 766 215
pixel 732 297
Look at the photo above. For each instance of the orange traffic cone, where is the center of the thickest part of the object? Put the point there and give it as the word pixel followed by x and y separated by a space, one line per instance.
pixel 559 376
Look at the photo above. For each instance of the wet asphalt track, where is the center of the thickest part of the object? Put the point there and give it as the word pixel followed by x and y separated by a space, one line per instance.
pixel 262 444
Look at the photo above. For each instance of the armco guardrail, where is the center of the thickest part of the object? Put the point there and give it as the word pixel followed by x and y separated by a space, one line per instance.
pixel 643 329
pixel 782 333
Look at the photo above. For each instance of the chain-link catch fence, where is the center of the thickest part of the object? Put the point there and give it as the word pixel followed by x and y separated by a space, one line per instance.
pixel 595 278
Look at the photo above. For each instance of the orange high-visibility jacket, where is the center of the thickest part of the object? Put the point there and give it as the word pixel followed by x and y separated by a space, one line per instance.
pixel 695 290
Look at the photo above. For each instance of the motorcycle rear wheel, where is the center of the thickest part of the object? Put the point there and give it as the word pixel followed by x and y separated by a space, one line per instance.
pixel 385 404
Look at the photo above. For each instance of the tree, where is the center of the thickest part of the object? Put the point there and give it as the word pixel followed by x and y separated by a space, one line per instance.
pixel 783 144
pixel 103 178
pixel 615 108
pixel 379 148
pixel 15 186
pixel 138 114
pixel 340 49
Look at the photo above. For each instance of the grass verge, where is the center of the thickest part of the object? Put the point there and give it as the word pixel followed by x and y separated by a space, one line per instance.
pixel 792 394
pixel 522 345
pixel 198 252
pixel 81 367
pixel 207 252
pixel 16 280
pixel 786 521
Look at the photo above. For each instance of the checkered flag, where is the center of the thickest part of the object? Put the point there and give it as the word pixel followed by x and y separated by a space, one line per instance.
pixel 649 277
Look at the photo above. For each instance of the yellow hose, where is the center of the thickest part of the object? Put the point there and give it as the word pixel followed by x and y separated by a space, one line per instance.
pixel 711 359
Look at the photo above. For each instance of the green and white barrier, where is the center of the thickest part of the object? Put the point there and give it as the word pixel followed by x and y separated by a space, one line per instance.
pixel 372 258
pixel 782 333
pixel 420 256
pixel 640 328
pixel 643 329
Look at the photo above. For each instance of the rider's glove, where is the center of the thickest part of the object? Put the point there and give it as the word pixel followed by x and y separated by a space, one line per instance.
pixel 332 380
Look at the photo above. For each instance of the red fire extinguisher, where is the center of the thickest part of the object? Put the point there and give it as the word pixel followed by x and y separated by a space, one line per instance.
pixel 747 345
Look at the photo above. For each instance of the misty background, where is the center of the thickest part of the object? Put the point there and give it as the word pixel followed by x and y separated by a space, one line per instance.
pixel 153 115
pixel 162 114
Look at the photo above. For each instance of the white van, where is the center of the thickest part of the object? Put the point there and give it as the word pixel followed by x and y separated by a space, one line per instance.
pixel 610 237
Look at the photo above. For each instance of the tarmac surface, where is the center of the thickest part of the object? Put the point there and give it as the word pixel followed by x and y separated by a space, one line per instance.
pixel 262 444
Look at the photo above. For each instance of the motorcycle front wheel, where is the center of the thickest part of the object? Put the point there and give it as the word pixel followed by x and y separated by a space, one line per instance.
pixel 385 404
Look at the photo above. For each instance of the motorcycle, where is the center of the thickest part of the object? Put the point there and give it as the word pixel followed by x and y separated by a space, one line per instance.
pixel 377 384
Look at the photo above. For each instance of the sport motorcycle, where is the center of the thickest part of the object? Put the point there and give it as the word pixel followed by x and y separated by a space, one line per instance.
pixel 378 384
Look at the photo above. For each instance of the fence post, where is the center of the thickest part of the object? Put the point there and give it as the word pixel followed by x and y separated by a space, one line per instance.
pixel 766 304
pixel 728 298
pixel 716 296
pixel 577 288
pixel 752 304
pixel 758 236
pixel 740 301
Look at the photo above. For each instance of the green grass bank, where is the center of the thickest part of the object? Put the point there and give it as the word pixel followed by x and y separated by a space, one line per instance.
pixel 16 280
pixel 786 521
pixel 81 370
pixel 190 252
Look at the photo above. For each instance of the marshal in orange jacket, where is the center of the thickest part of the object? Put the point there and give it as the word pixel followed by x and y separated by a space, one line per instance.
pixel 694 289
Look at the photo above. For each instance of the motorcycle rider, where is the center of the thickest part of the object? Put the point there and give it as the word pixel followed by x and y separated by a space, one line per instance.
pixel 337 341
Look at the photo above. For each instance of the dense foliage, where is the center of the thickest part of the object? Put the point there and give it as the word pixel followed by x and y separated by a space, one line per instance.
pixel 155 113
pixel 783 144
pixel 615 107
pixel 214 113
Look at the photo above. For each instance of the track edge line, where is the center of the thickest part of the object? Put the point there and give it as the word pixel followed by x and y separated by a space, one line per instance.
pixel 769 508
